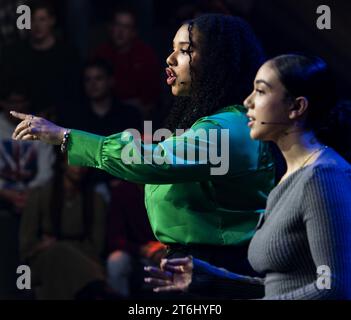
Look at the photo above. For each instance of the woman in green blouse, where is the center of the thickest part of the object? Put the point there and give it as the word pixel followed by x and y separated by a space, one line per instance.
pixel 194 206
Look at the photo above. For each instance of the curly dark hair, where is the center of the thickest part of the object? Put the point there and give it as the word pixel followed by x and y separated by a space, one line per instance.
pixel 230 57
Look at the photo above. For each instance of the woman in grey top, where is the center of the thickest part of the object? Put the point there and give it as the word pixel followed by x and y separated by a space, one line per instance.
pixel 303 242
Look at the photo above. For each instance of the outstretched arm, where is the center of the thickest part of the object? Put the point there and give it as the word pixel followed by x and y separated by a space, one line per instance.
pixel 203 153
pixel 197 277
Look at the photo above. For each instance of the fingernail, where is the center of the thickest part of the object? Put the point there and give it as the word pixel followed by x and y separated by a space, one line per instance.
pixel 155 289
pixel 147 268
pixel 147 279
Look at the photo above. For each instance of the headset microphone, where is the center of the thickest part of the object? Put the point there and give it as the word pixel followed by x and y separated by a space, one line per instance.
pixel 279 124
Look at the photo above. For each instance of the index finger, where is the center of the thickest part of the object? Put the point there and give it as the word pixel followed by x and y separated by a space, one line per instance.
pixel 21 116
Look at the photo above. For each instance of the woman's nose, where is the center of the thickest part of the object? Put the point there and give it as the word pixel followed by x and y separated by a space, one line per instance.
pixel 171 61
pixel 248 102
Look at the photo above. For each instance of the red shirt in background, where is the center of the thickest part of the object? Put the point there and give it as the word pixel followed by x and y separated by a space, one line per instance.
pixel 136 72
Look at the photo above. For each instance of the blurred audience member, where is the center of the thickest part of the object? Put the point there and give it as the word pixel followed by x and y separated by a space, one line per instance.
pixel 102 112
pixel 62 237
pixel 131 243
pixel 23 164
pixel 8 17
pixel 45 63
pixel 136 66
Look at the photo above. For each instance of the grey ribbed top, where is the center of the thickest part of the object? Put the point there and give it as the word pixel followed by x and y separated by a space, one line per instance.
pixel 307 223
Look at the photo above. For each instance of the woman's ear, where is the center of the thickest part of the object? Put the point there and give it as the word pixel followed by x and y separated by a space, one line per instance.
pixel 298 108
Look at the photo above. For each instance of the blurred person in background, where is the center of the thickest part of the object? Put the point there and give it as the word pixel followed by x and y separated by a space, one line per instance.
pixel 44 62
pixel 9 32
pixel 131 243
pixel 23 164
pixel 62 237
pixel 136 66
pixel 103 113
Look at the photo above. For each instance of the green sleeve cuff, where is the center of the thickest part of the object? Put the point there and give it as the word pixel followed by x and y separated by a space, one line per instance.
pixel 84 149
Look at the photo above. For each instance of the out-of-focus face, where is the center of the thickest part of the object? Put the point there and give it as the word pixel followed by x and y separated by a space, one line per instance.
pixel 178 71
pixel 42 24
pixel 123 30
pixel 267 103
pixel 97 84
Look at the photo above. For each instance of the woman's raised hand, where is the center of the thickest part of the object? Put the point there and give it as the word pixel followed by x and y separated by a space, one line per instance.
pixel 37 128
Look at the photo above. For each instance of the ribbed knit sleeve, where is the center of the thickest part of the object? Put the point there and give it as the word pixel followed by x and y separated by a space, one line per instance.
pixel 212 282
pixel 326 207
